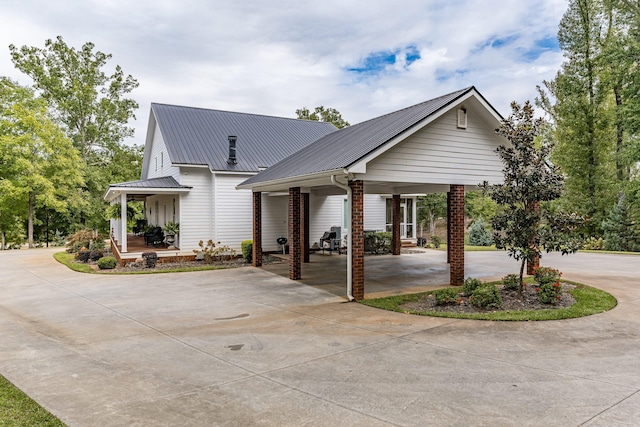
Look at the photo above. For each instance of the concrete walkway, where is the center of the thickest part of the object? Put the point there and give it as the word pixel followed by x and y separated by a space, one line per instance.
pixel 247 347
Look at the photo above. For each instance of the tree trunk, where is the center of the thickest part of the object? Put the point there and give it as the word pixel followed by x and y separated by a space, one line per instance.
pixel 4 241
pixel 521 287
pixel 432 224
pixel 30 223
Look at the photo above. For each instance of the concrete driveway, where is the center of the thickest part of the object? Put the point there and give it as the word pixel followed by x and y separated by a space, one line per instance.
pixel 247 347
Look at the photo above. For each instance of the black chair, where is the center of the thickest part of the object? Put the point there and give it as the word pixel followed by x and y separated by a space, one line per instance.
pixel 328 237
pixel 141 224
pixel 154 237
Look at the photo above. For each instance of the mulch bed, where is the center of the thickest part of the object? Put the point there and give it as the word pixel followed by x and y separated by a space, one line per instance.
pixel 510 302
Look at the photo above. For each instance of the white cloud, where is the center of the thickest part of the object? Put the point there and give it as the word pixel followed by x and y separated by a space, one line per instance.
pixel 274 57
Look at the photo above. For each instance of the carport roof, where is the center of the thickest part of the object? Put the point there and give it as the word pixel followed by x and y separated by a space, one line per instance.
pixel 162 184
pixel 342 149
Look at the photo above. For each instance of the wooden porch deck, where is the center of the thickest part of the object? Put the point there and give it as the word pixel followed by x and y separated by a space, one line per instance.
pixel 136 246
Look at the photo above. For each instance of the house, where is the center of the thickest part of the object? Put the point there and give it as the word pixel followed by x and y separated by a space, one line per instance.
pixel 447 144
pixel 204 169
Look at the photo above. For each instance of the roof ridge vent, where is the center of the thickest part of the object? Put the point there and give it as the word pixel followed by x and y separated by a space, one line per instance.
pixel 232 150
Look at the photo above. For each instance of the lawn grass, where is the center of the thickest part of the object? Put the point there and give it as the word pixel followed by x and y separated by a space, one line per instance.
pixel 18 409
pixel 588 301
pixel 68 260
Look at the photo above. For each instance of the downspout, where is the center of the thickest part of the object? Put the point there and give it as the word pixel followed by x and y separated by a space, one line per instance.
pixel 349 258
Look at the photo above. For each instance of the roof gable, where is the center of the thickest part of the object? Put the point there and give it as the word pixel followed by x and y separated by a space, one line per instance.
pixel 346 147
pixel 197 136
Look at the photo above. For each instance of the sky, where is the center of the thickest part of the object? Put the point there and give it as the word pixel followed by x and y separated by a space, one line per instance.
pixel 364 58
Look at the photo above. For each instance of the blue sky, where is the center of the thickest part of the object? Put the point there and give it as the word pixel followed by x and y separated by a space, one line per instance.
pixel 362 58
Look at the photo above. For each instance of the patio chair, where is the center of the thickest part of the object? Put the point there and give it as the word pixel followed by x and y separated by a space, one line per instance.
pixel 154 237
pixel 141 224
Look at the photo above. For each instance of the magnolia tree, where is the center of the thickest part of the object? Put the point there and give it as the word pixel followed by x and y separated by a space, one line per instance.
pixel 521 226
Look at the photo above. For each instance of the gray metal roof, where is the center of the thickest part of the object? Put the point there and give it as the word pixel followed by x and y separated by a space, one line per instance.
pixel 200 136
pixel 162 182
pixel 343 148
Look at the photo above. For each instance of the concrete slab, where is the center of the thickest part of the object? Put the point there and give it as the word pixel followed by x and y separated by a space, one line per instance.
pixel 250 347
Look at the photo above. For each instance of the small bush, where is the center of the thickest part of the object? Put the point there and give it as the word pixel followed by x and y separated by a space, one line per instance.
pixel 97 245
pixel 478 233
pixel 436 241
pixel 247 250
pixel 486 296
pixel 549 293
pixel 470 285
pixel 446 296
pixel 377 242
pixel 546 275
pixel 107 263
pixel 511 282
pixel 150 259
pixel 212 252
pixel 95 255
pixel 83 255
pixel 593 244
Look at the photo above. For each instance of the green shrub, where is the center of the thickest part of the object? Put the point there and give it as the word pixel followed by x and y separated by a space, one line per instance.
pixel 593 244
pixel 247 250
pixel 107 263
pixel 377 242
pixel 478 233
pixel 95 255
pixel 97 245
pixel 83 256
pixel 545 275
pixel 486 296
pixel 549 293
pixel 150 259
pixel 436 241
pixel 470 284
pixel 511 282
pixel 446 296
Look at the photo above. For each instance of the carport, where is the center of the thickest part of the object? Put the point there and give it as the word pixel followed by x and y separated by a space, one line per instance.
pixel 447 144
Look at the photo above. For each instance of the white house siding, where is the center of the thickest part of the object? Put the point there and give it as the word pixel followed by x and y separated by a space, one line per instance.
pixel 375 215
pixel 159 163
pixel 233 210
pixel 324 212
pixel 442 154
pixel 196 213
pixel 274 220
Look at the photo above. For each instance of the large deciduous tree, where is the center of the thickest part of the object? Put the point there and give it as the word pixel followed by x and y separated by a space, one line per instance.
pixel 39 167
pixel 520 226
pixel 321 114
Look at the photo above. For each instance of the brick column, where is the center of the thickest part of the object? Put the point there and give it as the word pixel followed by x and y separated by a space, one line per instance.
pixel 395 235
pixel 304 212
pixel 295 258
pixel 456 232
pixel 535 263
pixel 257 230
pixel 357 238
pixel 448 227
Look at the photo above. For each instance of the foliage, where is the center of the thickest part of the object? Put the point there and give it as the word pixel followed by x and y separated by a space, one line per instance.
pixel 478 233
pixel 85 238
pixel 171 227
pixel 470 285
pixel 69 260
pixel 477 204
pixel 511 282
pixel 430 208
pixel 150 258
pixel 213 252
pixel 521 226
pixel 18 409
pixel 486 296
pixel 446 296
pixel 549 293
pixel 107 263
pixel 377 242
pixel 135 210
pixel 95 255
pixel 436 241
pixel 621 232
pixel 321 114
pixel 546 275
pixel 83 255
pixel 247 250
pixel 593 244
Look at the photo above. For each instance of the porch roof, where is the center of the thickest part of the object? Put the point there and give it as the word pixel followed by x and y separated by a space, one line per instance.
pixel 146 187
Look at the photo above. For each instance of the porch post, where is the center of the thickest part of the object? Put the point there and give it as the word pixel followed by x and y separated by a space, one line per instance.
pixel 395 239
pixel 123 220
pixel 295 258
pixel 257 230
pixel 357 238
pixel 448 227
pixel 456 231
pixel 304 201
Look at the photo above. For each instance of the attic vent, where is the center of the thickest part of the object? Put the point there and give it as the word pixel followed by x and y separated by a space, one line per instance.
pixel 232 150
pixel 462 118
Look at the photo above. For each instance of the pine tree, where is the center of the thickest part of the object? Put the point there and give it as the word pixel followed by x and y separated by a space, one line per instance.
pixel 620 229
pixel 478 233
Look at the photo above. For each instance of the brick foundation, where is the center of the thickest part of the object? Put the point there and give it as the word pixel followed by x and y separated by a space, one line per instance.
pixel 357 238
pixel 257 230
pixel 455 245
pixel 395 239
pixel 295 253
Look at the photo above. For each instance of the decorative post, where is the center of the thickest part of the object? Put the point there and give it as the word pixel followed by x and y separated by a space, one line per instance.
pixel 295 258
pixel 123 219
pixel 456 232
pixel 256 258
pixel 357 238
pixel 395 239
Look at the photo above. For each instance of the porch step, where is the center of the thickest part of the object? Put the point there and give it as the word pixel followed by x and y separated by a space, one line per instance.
pixel 408 244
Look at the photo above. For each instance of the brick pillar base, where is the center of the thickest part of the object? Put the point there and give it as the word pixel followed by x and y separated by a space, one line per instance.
pixel 357 238
pixel 395 239
pixel 257 230
pixel 456 232
pixel 305 226
pixel 295 258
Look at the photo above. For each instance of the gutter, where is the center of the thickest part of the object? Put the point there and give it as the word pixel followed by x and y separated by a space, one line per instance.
pixel 349 257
